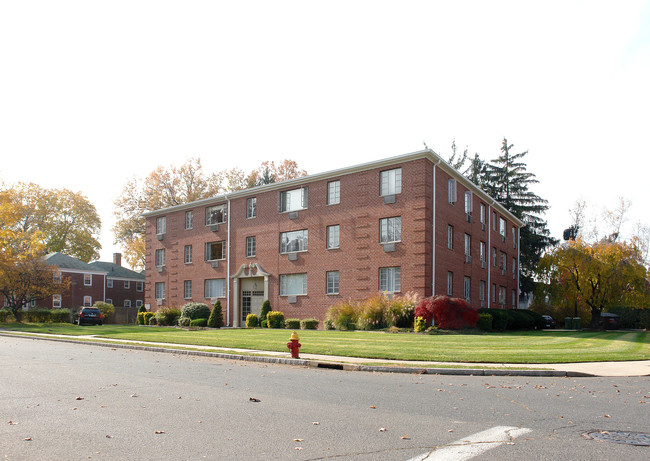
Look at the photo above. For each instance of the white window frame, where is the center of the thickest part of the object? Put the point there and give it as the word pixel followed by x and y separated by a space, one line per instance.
pixel 251 246
pixel 161 225
pixel 187 254
pixel 482 288
pixel 468 246
pixel 215 215
pixel 138 302
pixel 159 288
pixel 189 220
pixel 332 287
pixel 450 236
pixel 88 301
pixel 452 191
pixel 502 228
pixel 56 301
pixel 390 182
pixel 287 239
pixel 334 192
pixel 294 199
pixel 450 283
pixel 109 283
pixel 88 280
pixel 187 289
pixel 160 257
pixel 208 251
pixel 139 287
pixel 469 202
pixel 467 288
pixel 251 208
pixel 483 252
pixel 390 279
pixel 127 303
pixel 293 284
pixel 215 288
pixel 482 213
pixel 127 284
pixel 333 237
pixel 390 230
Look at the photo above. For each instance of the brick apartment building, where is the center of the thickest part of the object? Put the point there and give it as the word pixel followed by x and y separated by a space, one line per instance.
pixel 407 223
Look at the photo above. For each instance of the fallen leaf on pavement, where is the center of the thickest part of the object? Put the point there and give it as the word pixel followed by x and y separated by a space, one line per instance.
pixel 79 398
pixel 382 429
pixel 405 437
pixel 373 407
pixel 298 448
pixel 607 416
pixel 253 399
pixel 28 439
pixel 315 423
pixel 297 440
pixel 159 432
pixel 13 423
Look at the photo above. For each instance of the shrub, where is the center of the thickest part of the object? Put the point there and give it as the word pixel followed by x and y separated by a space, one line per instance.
pixel 420 324
pixel 499 318
pixel 292 324
pixel 152 320
pixel 167 316
pixel 198 322
pixel 140 318
pixel 484 322
pixel 328 324
pixel 266 308
pixel 60 315
pixel 216 316
pixel 4 315
pixel 264 323
pixel 448 313
pixel 142 309
pixel 372 313
pixel 184 321
pixel 309 324
pixel 401 310
pixel 343 315
pixel 538 321
pixel 195 311
pixel 38 315
pixel 107 309
pixel 252 321
pixel 275 319
pixel 146 316
pixel 425 310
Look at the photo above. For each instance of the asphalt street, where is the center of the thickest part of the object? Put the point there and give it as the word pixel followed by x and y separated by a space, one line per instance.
pixel 61 401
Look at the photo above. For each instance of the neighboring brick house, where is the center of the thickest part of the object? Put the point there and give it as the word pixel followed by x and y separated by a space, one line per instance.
pixel 87 283
pixel 124 287
pixel 407 223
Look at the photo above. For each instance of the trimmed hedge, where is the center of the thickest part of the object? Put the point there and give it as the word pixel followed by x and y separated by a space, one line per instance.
pixel 309 324
pixel 147 316
pixel 216 316
pixel 275 319
pixel 266 308
pixel 484 322
pixel 292 324
pixel 168 316
pixel 513 319
pixel 198 322
pixel 195 311
pixel 252 321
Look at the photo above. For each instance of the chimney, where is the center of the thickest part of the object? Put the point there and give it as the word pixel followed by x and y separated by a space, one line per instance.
pixel 117 258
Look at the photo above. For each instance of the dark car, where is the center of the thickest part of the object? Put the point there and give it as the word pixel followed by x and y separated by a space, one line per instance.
pixel 549 322
pixel 609 321
pixel 89 316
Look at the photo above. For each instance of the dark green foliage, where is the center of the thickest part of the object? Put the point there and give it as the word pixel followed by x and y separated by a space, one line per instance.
pixel 292 324
pixel 631 318
pixel 195 311
pixel 60 316
pixel 514 319
pixel 167 316
pixel 264 323
pixel 142 309
pixel 499 318
pixel 184 321
pixel 140 318
pixel 107 309
pixel 4 315
pixel 484 322
pixel 198 322
pixel 275 319
pixel 146 316
pixel 309 324
pixel 216 316
pixel 47 316
pixel 266 308
pixel 328 324
pixel 153 320
pixel 252 321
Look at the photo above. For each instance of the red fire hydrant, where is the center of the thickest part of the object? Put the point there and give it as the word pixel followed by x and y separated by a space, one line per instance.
pixel 294 345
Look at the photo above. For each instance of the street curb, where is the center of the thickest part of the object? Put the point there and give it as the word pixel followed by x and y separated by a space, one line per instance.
pixel 325 364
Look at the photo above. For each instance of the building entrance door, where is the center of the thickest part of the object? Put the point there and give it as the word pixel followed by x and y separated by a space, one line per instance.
pixel 252 297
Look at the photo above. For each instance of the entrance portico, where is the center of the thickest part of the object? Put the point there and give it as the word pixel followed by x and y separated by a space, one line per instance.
pixel 251 288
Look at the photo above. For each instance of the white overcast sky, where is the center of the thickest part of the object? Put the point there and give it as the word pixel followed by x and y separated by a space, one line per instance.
pixel 93 93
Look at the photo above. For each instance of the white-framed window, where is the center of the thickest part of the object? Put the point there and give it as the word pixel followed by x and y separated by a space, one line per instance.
pixel 502 228
pixel 88 301
pixel 514 268
pixel 109 301
pixel 494 256
pixel 294 200
pixel 469 202
pixel 333 282
pixel 450 237
pixel 109 283
pixel 139 287
pixel 187 289
pixel 160 290
pixel 482 215
pixel 88 280
pixel 333 237
pixel 514 299
pixel 504 260
pixel 390 279
pixel 215 215
pixel 514 237
pixel 138 303
pixel 127 284
pixel 468 247
pixel 483 253
pixel 293 284
pixel 481 293
pixel 450 283
pixel 494 293
pixel 467 286
pixel 189 220
pixel 160 257
pixel 452 191
pixel 251 208
pixel 502 296
pixel 56 276
pixel 127 303
pixel 390 229
pixel 215 288
pixel 215 251
pixel 187 254
pixel 56 301
pixel 251 246
pixel 390 182
pixel 161 225
pixel 333 192
pixel 494 220
pixel 293 241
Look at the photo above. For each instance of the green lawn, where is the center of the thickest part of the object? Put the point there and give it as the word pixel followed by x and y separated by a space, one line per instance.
pixel 510 347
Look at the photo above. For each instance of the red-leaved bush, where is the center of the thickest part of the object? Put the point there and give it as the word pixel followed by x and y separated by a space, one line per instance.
pixel 449 313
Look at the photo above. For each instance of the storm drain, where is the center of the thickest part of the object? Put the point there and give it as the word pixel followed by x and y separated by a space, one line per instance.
pixel 629 438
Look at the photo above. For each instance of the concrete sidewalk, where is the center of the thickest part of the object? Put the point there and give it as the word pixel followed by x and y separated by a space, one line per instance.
pixel 585 369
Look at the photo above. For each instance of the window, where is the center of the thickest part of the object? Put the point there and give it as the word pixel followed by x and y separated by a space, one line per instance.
pixel 127 303
pixel 88 280
pixel 88 301
pixel 139 286
pixel 215 215
pixel 483 255
pixel 390 230
pixel 503 263
pixel 293 200
pixel 333 283
pixel 293 241
pixel 127 285
pixel 333 192
pixel 481 292
pixel 390 182
pixel 450 283
pixel 450 237
pixel 494 293
pixel 467 282
pixel 160 290
pixel 451 190
pixel 215 288
pixel 187 289
pixel 161 225
pixel 390 279
pixel 502 296
pixel 138 303
pixel 251 208
pixel 56 301
pixel 502 228
pixel 332 237
pixel 56 276
pixel 494 220
pixel 251 244
pixel 514 268
pixel 514 237
pixel 514 299
pixel 293 284
pixel 187 254
pixel 215 251
pixel 482 217
pixel 468 248
pixel 109 283
pixel 189 220
pixel 494 256
pixel 469 202
pixel 160 257
pixel 109 301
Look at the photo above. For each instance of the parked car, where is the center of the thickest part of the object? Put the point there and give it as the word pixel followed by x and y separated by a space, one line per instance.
pixel 90 316
pixel 609 321
pixel 549 322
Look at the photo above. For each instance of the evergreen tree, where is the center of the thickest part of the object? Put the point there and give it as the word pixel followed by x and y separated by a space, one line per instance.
pixel 216 316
